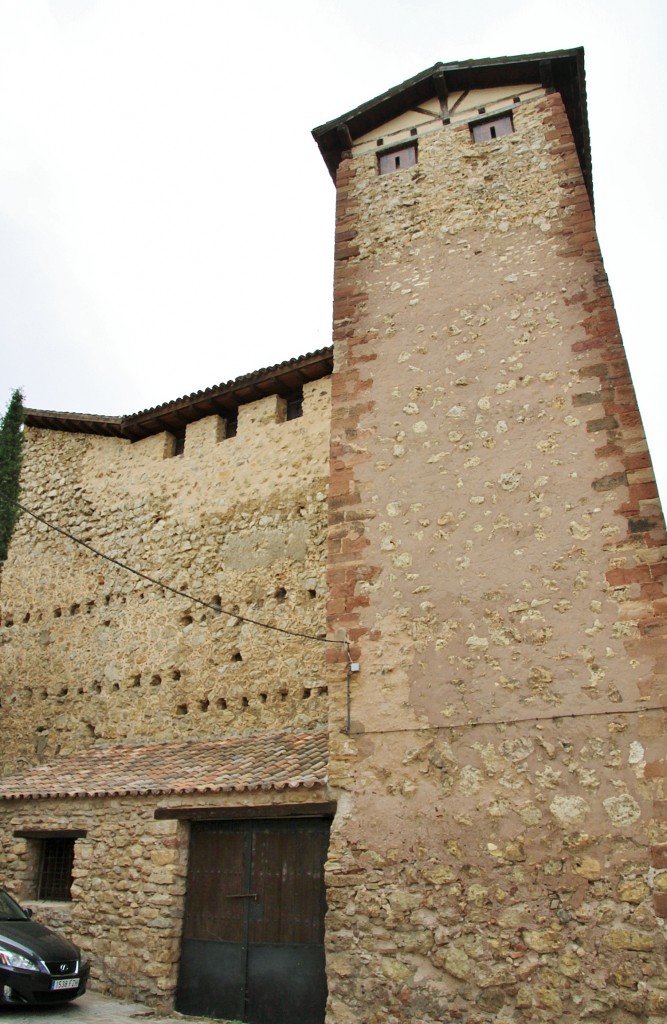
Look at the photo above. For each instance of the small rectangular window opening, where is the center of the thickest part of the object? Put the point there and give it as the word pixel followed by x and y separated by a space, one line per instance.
pixel 492 128
pixel 55 869
pixel 294 406
pixel 179 441
pixel 231 424
pixel 398 159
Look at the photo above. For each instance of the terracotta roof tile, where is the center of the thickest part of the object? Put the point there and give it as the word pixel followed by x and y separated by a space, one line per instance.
pixel 235 764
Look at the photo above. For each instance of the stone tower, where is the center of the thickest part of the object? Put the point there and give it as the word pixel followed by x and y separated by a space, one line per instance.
pixel 496 561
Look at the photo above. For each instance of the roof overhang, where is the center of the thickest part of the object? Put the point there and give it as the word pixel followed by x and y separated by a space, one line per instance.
pixel 235 764
pixel 561 70
pixel 283 379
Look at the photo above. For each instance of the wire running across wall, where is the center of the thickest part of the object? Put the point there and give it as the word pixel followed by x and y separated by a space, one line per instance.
pixel 174 590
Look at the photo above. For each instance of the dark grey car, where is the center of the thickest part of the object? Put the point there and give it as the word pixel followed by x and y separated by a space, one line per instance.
pixel 37 965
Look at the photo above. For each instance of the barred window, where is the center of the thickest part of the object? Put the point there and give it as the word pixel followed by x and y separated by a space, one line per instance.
pixel 51 860
pixel 55 869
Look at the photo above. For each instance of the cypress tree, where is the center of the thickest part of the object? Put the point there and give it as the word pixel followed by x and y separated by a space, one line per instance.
pixel 11 453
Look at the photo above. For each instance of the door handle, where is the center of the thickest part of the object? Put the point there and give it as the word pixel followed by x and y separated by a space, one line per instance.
pixel 239 895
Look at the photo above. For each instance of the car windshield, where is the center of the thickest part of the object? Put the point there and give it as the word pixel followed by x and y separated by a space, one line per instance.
pixel 9 910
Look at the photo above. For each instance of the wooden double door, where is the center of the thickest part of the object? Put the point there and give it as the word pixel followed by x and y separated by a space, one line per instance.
pixel 253 933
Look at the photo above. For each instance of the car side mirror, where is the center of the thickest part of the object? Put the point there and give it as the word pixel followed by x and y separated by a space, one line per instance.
pixel 27 911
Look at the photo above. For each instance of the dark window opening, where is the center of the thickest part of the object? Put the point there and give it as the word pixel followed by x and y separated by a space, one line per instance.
pixel 55 869
pixel 492 128
pixel 232 424
pixel 294 406
pixel 398 159
pixel 179 442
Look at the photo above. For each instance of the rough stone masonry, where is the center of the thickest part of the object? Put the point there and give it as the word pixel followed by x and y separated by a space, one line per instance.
pixel 497 555
pixel 468 503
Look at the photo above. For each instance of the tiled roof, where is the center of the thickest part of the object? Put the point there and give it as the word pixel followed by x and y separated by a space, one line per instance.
pixel 233 765
pixel 224 399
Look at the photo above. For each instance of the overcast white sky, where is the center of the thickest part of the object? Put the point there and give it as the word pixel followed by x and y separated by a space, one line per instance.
pixel 166 221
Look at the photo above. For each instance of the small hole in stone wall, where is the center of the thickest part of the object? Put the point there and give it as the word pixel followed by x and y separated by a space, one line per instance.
pixel 203 706
pixel 306 693
pixel 80 690
pixel 312 593
pixel 57 612
pixel 90 729
pixel 280 594
pixel 156 680
pixel 263 697
pixel 324 690
pixel 237 656
pixel 176 674
pixel 9 622
pixel 135 681
pixel 116 686
pixel 106 622
pixel 244 702
pixel 97 687
pixel 283 694
pixel 89 607
pixel 221 703
pixel 186 620
pixel 107 599
pixel 63 691
pixel 182 709
pixel 216 601
pixel 43 695
pixel 74 609
pixel 26 617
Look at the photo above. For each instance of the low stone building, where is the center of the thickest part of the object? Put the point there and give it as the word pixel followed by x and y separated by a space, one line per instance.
pixel 417 675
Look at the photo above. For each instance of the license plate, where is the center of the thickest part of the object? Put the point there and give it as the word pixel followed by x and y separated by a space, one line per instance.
pixel 61 983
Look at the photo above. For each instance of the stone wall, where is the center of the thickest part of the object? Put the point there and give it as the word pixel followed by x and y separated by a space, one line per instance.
pixel 129 882
pixel 496 557
pixel 94 654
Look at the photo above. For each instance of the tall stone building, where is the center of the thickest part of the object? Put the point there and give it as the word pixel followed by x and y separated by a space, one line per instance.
pixel 454 535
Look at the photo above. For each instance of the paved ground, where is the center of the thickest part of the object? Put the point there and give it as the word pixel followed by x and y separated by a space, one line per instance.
pixel 90 1007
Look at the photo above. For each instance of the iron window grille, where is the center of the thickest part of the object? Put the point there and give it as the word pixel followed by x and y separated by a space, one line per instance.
pixel 55 869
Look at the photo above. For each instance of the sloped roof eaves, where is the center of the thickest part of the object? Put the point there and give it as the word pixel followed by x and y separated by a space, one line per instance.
pixel 218 398
pixel 234 765
pixel 568 66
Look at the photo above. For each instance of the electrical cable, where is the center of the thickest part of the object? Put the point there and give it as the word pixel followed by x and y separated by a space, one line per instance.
pixel 174 590
pixel 475 723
